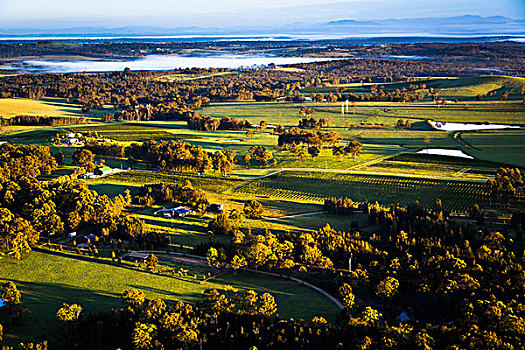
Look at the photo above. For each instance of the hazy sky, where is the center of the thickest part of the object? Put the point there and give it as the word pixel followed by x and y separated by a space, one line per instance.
pixel 225 13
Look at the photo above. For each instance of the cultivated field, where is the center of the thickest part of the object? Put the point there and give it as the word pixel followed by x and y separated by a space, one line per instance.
pixel 456 195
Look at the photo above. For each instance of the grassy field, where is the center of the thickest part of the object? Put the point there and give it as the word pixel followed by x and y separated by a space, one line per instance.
pixel 506 146
pixel 371 113
pixel 463 89
pixel 57 107
pixel 139 178
pixel 440 166
pixel 132 133
pixel 46 281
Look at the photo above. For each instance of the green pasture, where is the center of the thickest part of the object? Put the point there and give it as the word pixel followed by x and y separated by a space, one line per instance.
pixel 503 146
pixel 126 132
pixel 433 165
pixel 463 89
pixel 378 114
pixel 136 178
pixel 46 281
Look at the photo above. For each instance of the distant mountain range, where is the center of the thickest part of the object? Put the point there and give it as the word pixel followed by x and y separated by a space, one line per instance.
pixel 467 25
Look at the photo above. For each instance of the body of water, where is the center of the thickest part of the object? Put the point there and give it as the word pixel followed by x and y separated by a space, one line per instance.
pixel 446 126
pixel 157 62
pixel 445 152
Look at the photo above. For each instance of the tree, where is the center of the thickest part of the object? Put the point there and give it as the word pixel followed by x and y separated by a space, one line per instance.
pixel 339 151
pixel 134 298
pixel 354 148
pixel 83 158
pixel 249 303
pixel 301 154
pixel 267 305
pixel 69 313
pixel 348 297
pixel 267 156
pixel 238 262
pixel 10 294
pixel 426 140
pixel 143 336
pixel 152 261
pixel 247 159
pixel 387 288
pixel 313 151
pixel 213 303
pixel 280 129
pixel 221 224
pixel 59 156
pixel 212 256
pixel 253 209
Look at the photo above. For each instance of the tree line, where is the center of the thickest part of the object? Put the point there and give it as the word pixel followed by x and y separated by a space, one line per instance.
pixel 41 120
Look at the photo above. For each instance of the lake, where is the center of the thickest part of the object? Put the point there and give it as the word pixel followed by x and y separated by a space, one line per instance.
pixel 157 62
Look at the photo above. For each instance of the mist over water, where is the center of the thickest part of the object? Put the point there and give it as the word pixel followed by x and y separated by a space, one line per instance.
pixel 157 62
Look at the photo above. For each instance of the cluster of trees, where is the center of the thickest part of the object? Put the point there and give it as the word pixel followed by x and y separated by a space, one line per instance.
pixel 313 123
pixel 171 155
pixel 219 319
pixel 419 260
pixel 507 184
pixel 207 123
pixel 353 149
pixel 228 222
pixel 259 153
pixel 339 206
pixel 400 124
pixel 25 161
pixel 41 120
pixel 296 136
pixel 460 284
pixel 111 149
pixel 166 155
pixel 31 208
pixel 185 194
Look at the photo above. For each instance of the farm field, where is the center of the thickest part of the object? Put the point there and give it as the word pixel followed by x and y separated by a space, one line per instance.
pixel 463 89
pixel 315 186
pixel 440 166
pixel 138 178
pixel 371 113
pixel 10 107
pixel 132 133
pixel 247 216
pixel 47 281
pixel 506 146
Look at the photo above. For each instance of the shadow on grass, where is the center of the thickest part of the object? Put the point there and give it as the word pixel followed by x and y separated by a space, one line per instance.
pixel 44 299
pixel 113 190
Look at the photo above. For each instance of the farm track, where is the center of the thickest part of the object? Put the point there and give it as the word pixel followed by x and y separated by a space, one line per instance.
pixel 463 143
pixel 294 216
pixel 196 261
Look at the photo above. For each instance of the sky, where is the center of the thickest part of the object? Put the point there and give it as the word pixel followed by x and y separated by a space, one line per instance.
pixel 228 13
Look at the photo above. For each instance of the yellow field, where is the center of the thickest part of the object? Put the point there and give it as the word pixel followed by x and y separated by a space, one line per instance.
pixel 10 107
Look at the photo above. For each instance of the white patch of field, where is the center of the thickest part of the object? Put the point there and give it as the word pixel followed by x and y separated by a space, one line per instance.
pixel 445 126
pixel 446 152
